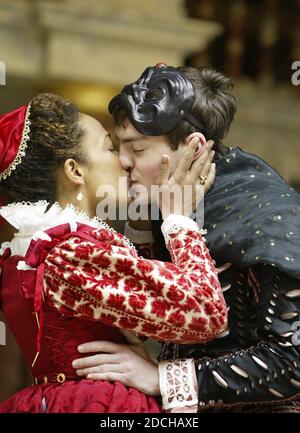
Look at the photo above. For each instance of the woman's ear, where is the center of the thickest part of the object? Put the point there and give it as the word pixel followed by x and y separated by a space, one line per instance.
pixel 201 143
pixel 73 171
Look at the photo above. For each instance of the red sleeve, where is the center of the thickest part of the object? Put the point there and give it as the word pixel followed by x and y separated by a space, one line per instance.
pixel 105 280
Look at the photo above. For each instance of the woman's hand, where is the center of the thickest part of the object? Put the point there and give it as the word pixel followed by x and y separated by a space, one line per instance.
pixel 118 362
pixel 182 192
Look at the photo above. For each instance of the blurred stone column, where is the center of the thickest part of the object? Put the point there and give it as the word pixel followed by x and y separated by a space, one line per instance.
pixel 236 38
pixel 269 33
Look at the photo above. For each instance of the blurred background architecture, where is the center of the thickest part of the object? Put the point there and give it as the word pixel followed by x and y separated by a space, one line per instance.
pixel 88 49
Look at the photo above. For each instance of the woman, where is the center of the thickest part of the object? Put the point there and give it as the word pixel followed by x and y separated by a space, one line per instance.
pixel 68 278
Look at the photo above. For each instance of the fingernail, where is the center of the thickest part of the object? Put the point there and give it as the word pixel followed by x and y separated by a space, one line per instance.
pixel 74 364
pixel 80 348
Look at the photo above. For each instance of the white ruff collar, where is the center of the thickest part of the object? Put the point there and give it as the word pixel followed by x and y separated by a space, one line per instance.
pixel 32 219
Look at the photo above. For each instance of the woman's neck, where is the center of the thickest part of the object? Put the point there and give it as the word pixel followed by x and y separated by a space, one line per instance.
pixel 81 205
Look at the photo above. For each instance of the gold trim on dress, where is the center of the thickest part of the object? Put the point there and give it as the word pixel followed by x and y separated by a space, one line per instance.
pixel 61 378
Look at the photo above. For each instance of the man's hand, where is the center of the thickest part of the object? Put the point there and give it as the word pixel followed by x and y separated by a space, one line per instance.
pixel 118 362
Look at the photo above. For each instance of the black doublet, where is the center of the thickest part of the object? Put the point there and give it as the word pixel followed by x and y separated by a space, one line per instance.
pixel 253 221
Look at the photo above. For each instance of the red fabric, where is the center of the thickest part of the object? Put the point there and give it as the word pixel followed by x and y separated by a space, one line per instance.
pixel 80 397
pixel 78 307
pixel 58 348
pixel 174 303
pixel 11 130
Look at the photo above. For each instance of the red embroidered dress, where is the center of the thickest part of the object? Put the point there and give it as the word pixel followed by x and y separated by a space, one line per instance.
pixel 79 281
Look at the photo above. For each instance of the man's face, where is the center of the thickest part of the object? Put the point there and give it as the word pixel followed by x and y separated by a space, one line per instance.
pixel 140 155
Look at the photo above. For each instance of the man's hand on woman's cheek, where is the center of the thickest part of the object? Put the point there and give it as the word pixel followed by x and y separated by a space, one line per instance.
pixel 118 362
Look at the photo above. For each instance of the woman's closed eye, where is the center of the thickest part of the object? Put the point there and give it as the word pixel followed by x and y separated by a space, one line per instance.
pixel 109 145
pixel 113 150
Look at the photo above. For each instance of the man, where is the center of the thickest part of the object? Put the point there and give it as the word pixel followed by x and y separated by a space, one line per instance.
pixel 252 219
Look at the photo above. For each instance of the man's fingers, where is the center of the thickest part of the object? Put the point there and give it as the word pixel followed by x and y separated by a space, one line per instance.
pixel 110 377
pixel 164 170
pixel 99 346
pixel 91 361
pixel 186 161
pixel 107 368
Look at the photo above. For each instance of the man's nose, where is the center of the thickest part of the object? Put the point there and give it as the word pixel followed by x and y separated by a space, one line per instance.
pixel 126 161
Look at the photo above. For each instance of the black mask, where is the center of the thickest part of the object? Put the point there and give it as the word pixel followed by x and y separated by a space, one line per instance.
pixel 158 101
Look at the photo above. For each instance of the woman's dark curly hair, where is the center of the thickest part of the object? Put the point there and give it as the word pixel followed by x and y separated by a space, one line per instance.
pixel 54 137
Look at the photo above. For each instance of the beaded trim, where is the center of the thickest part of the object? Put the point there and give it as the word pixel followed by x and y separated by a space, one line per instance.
pixel 22 148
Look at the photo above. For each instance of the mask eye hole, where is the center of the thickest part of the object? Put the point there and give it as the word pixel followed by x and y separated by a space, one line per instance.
pixel 154 94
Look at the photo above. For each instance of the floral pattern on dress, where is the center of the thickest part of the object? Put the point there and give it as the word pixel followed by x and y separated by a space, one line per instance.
pixel 180 302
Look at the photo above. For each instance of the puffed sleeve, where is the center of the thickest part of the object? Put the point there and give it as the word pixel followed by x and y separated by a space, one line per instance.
pixel 100 277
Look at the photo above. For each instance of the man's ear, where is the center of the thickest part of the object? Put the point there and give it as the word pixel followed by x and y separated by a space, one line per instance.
pixel 73 171
pixel 201 144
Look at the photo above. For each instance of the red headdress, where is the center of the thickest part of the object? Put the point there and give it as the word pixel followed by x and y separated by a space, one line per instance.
pixel 14 137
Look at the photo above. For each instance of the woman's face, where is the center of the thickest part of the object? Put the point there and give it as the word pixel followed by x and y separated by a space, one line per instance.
pixel 103 171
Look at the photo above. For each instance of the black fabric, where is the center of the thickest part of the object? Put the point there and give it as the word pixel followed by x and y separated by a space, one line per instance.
pixel 257 361
pixel 251 215
pixel 253 221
